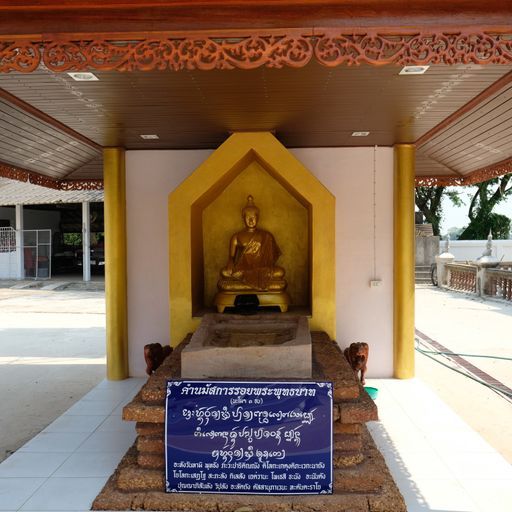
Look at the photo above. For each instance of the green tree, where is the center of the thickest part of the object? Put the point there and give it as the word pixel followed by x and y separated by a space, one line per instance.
pixel 429 202
pixel 482 219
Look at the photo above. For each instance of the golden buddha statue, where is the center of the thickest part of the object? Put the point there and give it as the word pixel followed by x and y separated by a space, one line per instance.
pixel 251 266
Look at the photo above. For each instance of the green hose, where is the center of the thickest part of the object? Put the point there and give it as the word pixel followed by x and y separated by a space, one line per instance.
pixel 465 355
pixel 480 381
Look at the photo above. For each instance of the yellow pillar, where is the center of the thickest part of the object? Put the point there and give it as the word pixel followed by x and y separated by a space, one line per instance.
pixel 403 304
pixel 114 176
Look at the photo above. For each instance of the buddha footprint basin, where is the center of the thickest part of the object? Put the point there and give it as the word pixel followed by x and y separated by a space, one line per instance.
pixel 238 336
pixel 259 346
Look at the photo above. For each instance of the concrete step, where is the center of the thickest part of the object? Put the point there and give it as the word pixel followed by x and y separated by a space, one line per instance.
pixel 28 285
pixel 54 286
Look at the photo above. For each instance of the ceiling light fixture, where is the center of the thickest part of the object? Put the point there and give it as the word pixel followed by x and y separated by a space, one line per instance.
pixel 360 134
pixel 83 76
pixel 150 136
pixel 413 70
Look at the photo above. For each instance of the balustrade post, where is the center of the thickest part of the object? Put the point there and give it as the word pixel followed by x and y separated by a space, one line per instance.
pixel 442 271
pixel 445 257
pixel 481 277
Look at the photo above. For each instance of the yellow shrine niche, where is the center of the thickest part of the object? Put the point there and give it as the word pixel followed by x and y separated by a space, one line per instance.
pixel 281 213
pixel 205 210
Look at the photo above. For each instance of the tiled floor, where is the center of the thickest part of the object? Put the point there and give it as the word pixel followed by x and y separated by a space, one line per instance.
pixel 438 462
pixel 65 466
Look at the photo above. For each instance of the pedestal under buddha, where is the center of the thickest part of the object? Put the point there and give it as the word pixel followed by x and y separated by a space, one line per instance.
pixel 251 266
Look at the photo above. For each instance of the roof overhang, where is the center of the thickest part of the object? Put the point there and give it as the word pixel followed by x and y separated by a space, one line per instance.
pixel 293 44
pixel 13 192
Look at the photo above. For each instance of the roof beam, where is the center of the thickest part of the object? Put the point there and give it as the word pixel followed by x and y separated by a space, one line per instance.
pixel 51 17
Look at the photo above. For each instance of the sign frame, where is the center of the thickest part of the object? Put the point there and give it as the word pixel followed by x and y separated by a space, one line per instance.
pixel 327 416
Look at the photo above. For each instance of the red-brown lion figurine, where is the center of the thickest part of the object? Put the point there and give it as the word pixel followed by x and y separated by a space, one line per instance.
pixel 357 356
pixel 154 355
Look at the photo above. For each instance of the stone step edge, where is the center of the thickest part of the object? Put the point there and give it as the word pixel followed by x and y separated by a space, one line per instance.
pixel 344 475
pixel 345 383
pixel 388 498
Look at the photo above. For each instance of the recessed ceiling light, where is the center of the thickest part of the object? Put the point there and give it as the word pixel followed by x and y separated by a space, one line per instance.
pixel 83 76
pixel 360 134
pixel 413 70
pixel 149 136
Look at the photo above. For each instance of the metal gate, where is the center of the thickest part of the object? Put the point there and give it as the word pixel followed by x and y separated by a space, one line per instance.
pixel 37 251
pixel 8 254
pixel 35 254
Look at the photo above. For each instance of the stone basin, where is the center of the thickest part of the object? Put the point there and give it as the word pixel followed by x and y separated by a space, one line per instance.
pixel 259 346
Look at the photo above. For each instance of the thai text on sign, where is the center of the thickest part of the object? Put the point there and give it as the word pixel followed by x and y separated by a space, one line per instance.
pixel 248 437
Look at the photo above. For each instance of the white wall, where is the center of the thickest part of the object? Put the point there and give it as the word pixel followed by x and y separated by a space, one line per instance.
pixel 470 250
pixel 363 313
pixel 9 265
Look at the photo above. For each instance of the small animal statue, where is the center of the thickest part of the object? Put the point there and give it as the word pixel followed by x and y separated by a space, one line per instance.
pixel 357 356
pixel 154 355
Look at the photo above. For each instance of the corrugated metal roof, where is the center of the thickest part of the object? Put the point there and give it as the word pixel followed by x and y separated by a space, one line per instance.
pixel 18 192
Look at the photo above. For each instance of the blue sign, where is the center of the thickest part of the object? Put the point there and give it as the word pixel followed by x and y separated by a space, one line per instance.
pixel 248 437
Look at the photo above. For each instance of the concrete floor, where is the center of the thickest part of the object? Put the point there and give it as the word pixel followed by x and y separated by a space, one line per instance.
pixel 52 353
pixel 467 324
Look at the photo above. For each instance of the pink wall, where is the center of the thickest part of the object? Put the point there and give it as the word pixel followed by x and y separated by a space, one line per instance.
pixel 363 313
pixel 150 177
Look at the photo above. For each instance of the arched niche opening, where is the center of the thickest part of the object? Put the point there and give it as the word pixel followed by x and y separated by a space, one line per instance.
pixel 205 210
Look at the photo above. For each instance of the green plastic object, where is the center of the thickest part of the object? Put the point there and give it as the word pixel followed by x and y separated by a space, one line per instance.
pixel 373 392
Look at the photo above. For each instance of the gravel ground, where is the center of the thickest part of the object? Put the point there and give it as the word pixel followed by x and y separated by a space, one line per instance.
pixel 52 352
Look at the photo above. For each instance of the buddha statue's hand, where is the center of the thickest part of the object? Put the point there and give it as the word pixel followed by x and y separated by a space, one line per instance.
pixel 227 271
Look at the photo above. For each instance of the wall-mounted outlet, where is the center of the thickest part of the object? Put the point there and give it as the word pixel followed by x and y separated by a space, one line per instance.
pixel 375 282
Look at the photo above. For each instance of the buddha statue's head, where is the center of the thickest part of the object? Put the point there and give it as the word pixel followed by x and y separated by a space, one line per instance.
pixel 250 214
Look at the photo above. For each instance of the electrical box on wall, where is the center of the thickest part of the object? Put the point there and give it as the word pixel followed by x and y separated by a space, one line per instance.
pixel 374 283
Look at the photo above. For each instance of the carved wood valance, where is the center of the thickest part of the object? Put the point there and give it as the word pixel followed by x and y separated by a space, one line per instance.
pixel 15 173
pixel 271 48
pixel 483 174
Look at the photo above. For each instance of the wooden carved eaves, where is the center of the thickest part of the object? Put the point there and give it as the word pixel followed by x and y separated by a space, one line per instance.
pixel 273 49
pixel 483 174
pixel 15 173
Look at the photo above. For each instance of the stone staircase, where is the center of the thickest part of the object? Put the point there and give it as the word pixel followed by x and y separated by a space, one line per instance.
pixel 422 274
pixel 361 480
